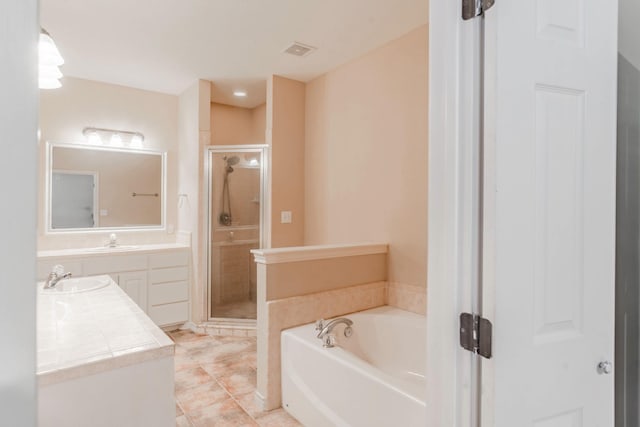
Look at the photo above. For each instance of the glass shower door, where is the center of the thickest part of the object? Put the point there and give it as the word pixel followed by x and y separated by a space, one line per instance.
pixel 235 220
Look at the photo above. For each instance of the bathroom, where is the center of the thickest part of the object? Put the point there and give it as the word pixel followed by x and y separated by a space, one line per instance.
pixel 291 163
pixel 373 147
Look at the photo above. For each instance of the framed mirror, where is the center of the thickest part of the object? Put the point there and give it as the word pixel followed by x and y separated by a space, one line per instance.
pixel 104 188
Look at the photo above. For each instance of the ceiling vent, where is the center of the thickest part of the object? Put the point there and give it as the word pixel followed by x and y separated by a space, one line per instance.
pixel 299 49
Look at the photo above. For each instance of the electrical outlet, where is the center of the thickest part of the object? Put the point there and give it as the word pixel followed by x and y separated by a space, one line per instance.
pixel 285 217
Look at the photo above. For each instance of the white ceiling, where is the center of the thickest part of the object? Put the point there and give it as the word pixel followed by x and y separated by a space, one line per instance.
pixel 165 45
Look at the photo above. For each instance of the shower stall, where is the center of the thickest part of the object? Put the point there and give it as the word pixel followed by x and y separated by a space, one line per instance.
pixel 236 215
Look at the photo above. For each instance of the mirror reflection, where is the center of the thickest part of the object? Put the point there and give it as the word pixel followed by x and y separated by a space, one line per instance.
pixel 94 188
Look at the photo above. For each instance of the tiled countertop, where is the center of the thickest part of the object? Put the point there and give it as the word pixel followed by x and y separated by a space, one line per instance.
pixel 125 249
pixel 84 333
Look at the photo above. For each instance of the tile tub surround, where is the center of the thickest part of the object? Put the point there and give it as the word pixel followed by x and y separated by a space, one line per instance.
pixel 295 311
pixel 407 297
pixel 299 285
pixel 215 383
pixel 85 333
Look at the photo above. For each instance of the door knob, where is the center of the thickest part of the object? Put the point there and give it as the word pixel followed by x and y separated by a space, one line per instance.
pixel 605 367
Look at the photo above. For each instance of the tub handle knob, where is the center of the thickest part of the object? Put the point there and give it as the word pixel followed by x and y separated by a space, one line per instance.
pixel 319 324
pixel 329 341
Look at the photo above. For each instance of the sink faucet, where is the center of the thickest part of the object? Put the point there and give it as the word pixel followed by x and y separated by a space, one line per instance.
pixel 113 241
pixel 55 276
pixel 328 339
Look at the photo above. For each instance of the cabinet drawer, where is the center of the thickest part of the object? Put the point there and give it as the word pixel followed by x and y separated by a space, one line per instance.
pixel 164 275
pixel 70 266
pixel 165 293
pixel 168 314
pixel 109 264
pixel 170 259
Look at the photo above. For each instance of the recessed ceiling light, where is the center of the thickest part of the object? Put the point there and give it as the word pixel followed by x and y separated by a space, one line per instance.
pixel 240 93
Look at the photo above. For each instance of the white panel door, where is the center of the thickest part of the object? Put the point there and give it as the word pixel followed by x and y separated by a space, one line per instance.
pixel 73 198
pixel 550 220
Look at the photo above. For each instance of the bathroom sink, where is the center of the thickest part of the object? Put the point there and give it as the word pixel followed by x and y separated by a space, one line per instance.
pixel 80 284
pixel 114 248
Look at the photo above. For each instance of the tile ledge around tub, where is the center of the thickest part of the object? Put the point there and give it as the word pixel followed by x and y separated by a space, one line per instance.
pixel 309 253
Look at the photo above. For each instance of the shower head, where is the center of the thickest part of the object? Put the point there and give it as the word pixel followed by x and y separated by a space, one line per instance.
pixel 233 160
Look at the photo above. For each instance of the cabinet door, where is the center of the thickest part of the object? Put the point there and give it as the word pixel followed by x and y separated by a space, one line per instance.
pixel 135 285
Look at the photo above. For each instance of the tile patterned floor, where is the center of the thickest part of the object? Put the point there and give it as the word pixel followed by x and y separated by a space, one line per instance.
pixel 215 381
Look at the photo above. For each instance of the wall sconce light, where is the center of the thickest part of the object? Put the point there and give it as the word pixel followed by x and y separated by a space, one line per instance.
pixel 49 59
pixel 252 159
pixel 113 137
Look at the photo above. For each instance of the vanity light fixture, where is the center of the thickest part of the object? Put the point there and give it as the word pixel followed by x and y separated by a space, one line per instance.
pixel 49 59
pixel 240 93
pixel 113 137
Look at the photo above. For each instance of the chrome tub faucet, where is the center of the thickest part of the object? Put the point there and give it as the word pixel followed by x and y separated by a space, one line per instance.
pixel 329 339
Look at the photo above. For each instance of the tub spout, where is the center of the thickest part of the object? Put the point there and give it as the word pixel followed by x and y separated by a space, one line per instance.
pixel 325 330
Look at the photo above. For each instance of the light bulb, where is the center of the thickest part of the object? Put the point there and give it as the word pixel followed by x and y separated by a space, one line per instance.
pixel 136 141
pixel 48 51
pixel 116 139
pixel 94 138
pixel 49 59
pixel 49 72
pixel 240 93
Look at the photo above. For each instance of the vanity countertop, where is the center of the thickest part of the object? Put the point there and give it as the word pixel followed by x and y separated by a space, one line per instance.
pixel 101 251
pixel 84 333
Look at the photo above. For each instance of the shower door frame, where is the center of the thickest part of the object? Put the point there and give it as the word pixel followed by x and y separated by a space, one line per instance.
pixel 261 149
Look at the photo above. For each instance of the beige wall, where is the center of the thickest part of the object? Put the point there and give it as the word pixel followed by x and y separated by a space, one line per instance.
pixel 194 135
pixel 309 277
pixel 236 125
pixel 366 155
pixel 259 125
pixel 80 103
pixel 286 135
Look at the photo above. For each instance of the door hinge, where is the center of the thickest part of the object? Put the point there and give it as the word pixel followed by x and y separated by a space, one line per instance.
pixel 475 334
pixel 473 8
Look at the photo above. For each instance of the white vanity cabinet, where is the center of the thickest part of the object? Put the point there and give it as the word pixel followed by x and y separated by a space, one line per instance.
pixel 128 271
pixel 134 284
pixel 155 277
pixel 168 287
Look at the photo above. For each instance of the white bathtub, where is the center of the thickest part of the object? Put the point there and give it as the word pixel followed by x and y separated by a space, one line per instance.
pixel 374 378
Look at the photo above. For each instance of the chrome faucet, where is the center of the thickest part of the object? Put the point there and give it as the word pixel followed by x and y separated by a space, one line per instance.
pixel 328 339
pixel 113 241
pixel 55 276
